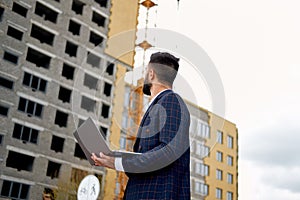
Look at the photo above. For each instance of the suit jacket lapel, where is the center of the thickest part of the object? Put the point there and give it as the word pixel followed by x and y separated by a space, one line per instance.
pixel 137 141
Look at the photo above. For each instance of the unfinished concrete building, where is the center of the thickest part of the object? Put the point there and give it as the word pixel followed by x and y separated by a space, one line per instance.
pixel 54 73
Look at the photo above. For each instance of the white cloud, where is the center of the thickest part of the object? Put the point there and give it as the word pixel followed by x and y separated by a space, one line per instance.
pixel 269 157
pixel 271 193
pixel 274 145
pixel 283 178
pixel 258 182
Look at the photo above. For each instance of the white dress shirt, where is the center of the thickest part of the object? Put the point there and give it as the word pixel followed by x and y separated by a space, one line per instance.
pixel 118 160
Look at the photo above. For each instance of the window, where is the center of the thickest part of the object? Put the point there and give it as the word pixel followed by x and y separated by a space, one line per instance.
pixel 105 110
pixel 99 176
pixel 117 188
pixel 68 71
pixel 88 104
pixel 71 49
pixel 17 8
pixel 201 169
pixel 15 190
pixel 1 13
pixel 229 178
pixel 219 156
pixel 36 83
pixel 201 188
pixel 199 128
pixel 78 152
pixel 10 57
pixel 229 196
pixel 38 58
pixel 80 121
pixel 218 193
pixel 219 174
pixel 230 160
pixel 110 68
pixel 57 144
pixel 107 89
pixel 207 131
pixel 127 97
pixel 14 33
pixel 102 3
pixel 30 107
pixel 193 125
pixel 204 130
pixel 45 12
pixel 64 94
pixel 90 81
pixel 104 131
pixel 1 139
pixel 93 60
pixel 77 6
pixel 98 19
pixel 53 169
pixel 19 161
pixel 26 134
pixel 61 119
pixel 6 83
pixel 202 150
pixel 42 35
pixel 192 145
pixel 95 38
pixel 230 142
pixel 4 110
pixel 198 149
pixel 125 119
pixel 219 137
pixel 122 142
pixel 74 27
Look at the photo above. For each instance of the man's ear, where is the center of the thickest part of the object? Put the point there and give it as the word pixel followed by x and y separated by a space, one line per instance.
pixel 151 74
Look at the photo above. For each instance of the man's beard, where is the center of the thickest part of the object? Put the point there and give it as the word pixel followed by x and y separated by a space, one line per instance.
pixel 146 87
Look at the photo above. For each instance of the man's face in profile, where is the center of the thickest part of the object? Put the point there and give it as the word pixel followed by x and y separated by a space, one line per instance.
pixel 147 85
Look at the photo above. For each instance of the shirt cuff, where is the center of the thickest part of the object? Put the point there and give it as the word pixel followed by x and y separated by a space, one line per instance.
pixel 118 164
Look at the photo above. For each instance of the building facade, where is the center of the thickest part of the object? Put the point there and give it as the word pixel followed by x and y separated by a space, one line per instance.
pixel 223 159
pixel 214 156
pixel 55 71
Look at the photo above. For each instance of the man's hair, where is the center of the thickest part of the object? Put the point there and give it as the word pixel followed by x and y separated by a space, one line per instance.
pixel 165 66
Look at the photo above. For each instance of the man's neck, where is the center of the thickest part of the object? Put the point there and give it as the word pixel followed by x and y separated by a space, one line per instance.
pixel 157 88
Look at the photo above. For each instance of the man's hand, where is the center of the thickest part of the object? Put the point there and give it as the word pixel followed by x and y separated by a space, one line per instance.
pixel 103 160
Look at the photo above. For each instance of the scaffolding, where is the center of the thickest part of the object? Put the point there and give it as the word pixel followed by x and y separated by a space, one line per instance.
pixel 136 104
pixel 135 111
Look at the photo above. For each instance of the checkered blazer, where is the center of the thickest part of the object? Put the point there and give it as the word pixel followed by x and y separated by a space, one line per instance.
pixel 162 171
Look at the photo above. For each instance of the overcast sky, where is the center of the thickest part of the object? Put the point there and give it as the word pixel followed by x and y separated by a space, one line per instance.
pixel 255 47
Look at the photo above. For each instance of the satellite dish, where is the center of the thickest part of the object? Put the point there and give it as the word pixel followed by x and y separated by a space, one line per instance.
pixel 89 188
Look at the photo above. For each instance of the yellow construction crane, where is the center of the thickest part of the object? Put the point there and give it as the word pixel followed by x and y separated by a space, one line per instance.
pixel 136 102
pixel 135 111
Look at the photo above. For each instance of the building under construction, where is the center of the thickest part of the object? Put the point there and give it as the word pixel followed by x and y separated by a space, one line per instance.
pixel 56 69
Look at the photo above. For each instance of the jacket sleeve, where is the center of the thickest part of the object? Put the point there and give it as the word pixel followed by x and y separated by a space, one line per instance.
pixel 171 126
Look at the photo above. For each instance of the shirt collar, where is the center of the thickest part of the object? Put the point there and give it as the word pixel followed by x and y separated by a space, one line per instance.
pixel 157 96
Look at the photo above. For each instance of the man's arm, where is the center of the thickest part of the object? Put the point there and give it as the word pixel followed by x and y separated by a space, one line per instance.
pixel 104 160
pixel 173 141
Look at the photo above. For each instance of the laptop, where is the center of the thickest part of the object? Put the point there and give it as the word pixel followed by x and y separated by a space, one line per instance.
pixel 91 140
